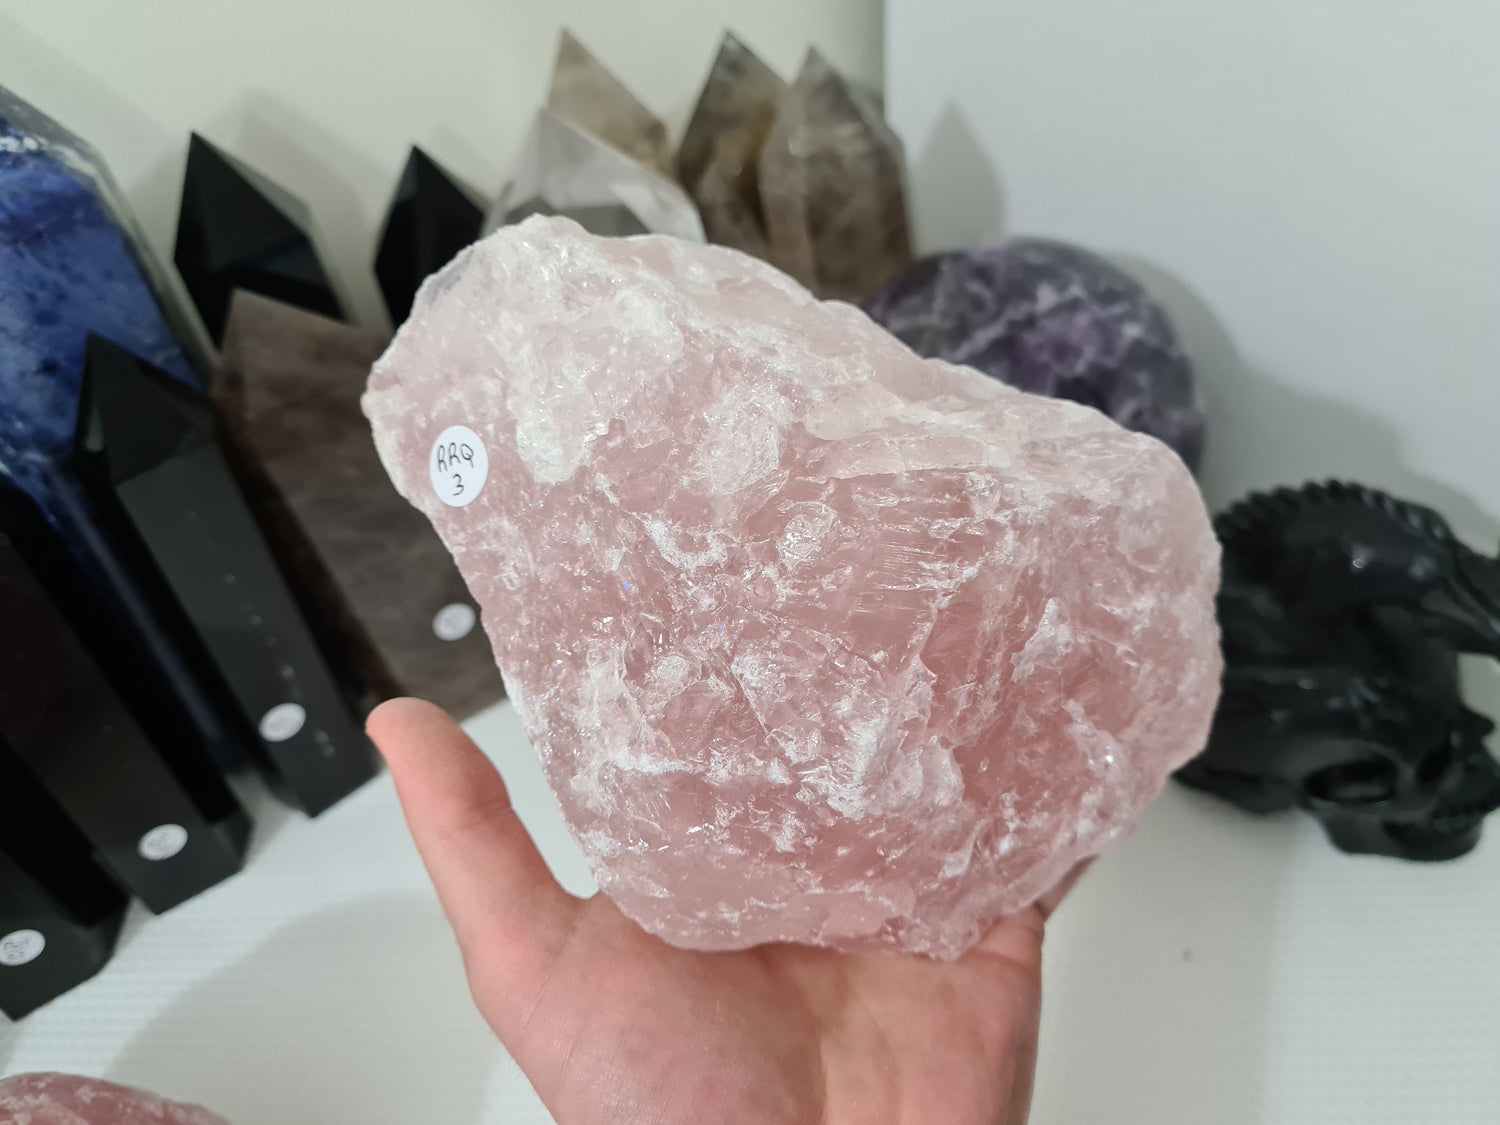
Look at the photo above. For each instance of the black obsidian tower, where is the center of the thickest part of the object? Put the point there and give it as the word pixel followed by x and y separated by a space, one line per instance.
pixel 151 805
pixel 147 454
pixel 238 230
pixel 59 911
pixel 430 219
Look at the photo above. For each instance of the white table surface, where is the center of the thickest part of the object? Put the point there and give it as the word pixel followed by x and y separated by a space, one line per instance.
pixel 1218 969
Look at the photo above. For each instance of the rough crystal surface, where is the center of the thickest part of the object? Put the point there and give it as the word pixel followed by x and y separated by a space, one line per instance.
pixel 1056 320
pixel 833 188
pixel 817 640
pixel 66 1099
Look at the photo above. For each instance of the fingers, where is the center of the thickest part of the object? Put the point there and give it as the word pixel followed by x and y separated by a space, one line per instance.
pixel 1018 938
pixel 509 913
pixel 1053 898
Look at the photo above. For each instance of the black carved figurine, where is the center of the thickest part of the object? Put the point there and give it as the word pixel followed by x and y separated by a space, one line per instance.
pixel 1343 612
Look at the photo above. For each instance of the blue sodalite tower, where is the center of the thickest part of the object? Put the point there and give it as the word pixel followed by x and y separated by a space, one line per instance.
pixel 71 264
pixel 104 424
pixel 74 263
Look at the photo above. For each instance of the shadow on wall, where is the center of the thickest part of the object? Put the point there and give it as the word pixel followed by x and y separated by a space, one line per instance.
pixel 1157 996
pixel 954 170
pixel 1263 433
pixel 356 1014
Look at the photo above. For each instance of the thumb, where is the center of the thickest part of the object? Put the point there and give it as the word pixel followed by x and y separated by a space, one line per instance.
pixel 509 914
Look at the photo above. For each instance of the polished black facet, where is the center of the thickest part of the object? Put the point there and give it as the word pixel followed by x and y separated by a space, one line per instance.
pixel 238 230
pixel 60 912
pixel 430 220
pixel 147 453
pixel 87 733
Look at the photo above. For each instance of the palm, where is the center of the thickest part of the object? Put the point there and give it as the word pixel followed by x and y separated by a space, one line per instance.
pixel 613 1025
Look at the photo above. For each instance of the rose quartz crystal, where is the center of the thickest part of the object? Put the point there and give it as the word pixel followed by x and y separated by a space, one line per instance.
pixel 818 641
pixel 64 1099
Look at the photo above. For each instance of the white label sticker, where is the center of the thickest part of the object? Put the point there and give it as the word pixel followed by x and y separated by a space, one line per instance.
pixel 282 721
pixel 458 466
pixel 162 842
pixel 454 622
pixel 20 947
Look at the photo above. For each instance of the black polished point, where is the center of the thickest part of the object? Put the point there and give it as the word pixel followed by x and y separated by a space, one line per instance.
pixel 236 229
pixel 148 801
pixel 430 220
pixel 147 454
pixel 60 913
pixel 1343 611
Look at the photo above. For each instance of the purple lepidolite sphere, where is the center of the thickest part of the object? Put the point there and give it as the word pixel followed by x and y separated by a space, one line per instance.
pixel 1056 320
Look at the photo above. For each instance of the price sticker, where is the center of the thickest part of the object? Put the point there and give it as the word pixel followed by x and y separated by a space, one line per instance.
pixel 282 722
pixel 458 466
pixel 21 947
pixel 454 622
pixel 162 842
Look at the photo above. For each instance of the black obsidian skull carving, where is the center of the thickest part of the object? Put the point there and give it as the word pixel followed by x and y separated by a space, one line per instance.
pixel 1343 612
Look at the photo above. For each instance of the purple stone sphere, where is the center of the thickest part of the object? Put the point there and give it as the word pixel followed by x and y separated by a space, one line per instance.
pixel 1055 320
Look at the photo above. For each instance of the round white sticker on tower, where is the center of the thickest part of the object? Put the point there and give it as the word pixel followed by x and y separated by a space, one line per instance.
pixel 162 842
pixel 458 466
pixel 454 622
pixel 21 947
pixel 282 721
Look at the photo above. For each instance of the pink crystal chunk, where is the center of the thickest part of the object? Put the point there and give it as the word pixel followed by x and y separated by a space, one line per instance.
pixel 65 1099
pixel 818 641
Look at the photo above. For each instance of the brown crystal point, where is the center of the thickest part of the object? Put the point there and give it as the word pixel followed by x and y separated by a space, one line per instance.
pixel 728 194
pixel 832 188
pixel 587 94
pixel 720 153
pixel 364 562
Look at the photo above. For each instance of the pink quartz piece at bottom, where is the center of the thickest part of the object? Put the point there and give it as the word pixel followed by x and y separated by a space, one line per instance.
pixel 66 1099
pixel 817 640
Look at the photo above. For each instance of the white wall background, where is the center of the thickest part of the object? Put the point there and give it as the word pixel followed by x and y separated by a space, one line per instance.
pixel 325 96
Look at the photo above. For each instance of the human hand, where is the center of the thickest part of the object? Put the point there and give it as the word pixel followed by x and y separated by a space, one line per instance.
pixel 613 1025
